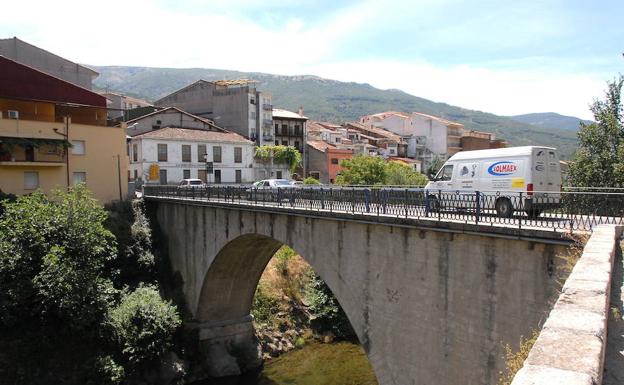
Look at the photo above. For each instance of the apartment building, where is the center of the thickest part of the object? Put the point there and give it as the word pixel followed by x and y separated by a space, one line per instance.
pixel 169 154
pixel 289 128
pixel 47 62
pixel 479 140
pixel 427 136
pixel 235 105
pixel 54 134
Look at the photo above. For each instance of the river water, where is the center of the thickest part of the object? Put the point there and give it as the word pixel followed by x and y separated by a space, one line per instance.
pixel 341 363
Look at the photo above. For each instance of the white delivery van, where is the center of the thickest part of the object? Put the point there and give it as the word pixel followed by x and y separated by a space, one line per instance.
pixel 508 179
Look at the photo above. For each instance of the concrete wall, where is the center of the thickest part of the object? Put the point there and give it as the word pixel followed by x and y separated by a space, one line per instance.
pixel 47 62
pixel 196 99
pixel 571 346
pixel 429 307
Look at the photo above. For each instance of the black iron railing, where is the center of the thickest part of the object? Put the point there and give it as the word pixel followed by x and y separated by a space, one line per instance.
pixel 557 211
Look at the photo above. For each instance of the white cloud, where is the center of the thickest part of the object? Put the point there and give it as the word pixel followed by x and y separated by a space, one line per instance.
pixel 206 34
pixel 502 92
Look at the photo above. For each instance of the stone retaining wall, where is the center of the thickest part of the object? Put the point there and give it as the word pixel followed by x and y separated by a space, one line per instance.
pixel 571 346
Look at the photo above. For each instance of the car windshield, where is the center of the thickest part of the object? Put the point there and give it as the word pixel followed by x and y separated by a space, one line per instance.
pixel 282 182
pixel 196 182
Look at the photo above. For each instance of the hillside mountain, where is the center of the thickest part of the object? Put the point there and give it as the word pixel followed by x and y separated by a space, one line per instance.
pixel 331 100
pixel 551 119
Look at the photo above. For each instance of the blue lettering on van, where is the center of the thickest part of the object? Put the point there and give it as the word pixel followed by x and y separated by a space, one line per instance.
pixel 502 168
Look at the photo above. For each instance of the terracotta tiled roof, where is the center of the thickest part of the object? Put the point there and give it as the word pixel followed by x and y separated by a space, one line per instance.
pixel 175 133
pixel 320 145
pixel 380 132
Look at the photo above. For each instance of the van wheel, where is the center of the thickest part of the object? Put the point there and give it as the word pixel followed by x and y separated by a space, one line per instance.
pixel 434 203
pixel 533 213
pixel 504 208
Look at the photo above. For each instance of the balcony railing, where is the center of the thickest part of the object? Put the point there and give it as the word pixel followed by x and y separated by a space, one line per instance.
pixel 267 107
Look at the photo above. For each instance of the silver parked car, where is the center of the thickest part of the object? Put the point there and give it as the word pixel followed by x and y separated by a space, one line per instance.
pixel 268 189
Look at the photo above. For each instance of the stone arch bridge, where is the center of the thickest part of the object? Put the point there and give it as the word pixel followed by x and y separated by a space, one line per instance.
pixel 430 303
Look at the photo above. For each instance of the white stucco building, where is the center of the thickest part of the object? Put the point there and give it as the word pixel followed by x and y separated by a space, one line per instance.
pixel 427 136
pixel 168 155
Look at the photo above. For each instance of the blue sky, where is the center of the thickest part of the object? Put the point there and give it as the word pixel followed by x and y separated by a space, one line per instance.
pixel 529 56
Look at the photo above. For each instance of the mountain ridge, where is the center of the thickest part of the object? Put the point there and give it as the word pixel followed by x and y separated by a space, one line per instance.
pixel 330 100
pixel 551 119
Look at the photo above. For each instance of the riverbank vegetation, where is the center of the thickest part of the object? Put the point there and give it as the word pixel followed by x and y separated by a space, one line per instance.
pixel 79 303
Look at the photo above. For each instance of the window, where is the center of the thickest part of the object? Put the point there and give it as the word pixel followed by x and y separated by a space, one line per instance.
pixel 252 115
pixel 277 129
pixel 31 180
pixel 163 176
pixel 284 143
pixel 445 173
pixel 216 154
pixel 201 153
pixel 334 160
pixel 80 177
pixel 337 140
pixel 238 155
pixel 135 151
pixel 315 174
pixel 252 100
pixel 284 129
pixel 186 153
pixel 217 175
pixel 277 142
pixel 136 174
pixel 78 147
pixel 162 153
pixel 186 174
pixel 239 176
pixel 297 144
pixel 297 130
pixel 278 174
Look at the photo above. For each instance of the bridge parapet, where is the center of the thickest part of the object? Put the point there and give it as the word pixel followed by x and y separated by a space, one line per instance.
pixel 571 346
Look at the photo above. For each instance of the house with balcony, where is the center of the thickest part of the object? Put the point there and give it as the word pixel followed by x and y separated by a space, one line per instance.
pixel 236 105
pixel 54 134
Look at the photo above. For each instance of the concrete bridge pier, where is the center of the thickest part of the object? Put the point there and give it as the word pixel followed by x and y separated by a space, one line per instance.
pixel 230 347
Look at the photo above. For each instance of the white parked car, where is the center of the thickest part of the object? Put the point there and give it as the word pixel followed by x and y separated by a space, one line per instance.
pixel 188 183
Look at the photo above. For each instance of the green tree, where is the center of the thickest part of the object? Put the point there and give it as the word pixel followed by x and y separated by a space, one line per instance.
pixel 374 170
pixel 400 174
pixel 362 170
pixel 56 291
pixel 599 161
pixel 434 166
pixel 327 313
pixel 312 181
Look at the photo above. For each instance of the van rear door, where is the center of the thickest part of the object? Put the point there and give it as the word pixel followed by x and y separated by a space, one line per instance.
pixel 540 169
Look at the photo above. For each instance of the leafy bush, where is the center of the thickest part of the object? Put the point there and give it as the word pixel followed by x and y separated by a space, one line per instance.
pixel 264 307
pixel 311 181
pixel 400 174
pixel 374 170
pixel 57 272
pixel 281 154
pixel 327 314
pixel 143 325
pixel 283 255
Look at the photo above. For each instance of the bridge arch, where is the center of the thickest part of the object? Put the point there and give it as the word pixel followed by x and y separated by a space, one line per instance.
pixel 430 306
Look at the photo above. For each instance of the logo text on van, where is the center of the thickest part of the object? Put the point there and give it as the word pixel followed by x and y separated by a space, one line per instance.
pixel 502 168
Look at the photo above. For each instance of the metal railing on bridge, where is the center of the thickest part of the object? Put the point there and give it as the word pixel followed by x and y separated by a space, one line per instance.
pixel 578 210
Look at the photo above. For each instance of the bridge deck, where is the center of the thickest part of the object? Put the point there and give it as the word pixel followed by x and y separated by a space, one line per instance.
pixel 550 228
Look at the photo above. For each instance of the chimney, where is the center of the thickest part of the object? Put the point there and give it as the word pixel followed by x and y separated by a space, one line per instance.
pixel 300 111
